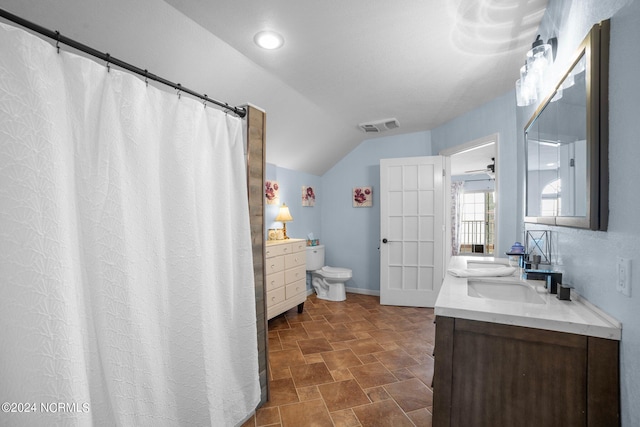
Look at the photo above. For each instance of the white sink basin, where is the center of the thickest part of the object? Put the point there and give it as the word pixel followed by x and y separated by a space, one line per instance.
pixel 486 264
pixel 503 291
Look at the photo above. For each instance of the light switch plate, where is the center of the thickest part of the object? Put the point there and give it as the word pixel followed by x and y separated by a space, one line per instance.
pixel 623 285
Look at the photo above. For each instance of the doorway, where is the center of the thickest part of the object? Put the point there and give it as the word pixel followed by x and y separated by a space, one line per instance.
pixel 472 197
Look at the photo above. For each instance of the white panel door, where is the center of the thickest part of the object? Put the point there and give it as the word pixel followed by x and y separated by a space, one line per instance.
pixel 411 230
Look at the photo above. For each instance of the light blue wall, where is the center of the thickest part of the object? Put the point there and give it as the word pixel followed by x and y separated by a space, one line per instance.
pixel 306 219
pixel 351 235
pixel 497 116
pixel 588 258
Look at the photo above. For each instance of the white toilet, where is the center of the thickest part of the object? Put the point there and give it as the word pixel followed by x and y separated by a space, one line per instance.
pixel 327 281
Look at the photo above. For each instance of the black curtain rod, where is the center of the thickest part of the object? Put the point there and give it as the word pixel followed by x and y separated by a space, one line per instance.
pixel 59 38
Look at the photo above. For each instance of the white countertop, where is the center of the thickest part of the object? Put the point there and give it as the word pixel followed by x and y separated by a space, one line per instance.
pixel 577 316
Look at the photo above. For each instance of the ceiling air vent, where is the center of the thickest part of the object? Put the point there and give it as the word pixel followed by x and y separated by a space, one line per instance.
pixel 379 126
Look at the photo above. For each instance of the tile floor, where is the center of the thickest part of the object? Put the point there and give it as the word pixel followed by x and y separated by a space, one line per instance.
pixel 351 363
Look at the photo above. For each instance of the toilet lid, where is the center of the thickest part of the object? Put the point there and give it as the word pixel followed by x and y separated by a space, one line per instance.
pixel 336 272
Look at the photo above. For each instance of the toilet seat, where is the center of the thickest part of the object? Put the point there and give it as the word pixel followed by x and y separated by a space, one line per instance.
pixel 335 272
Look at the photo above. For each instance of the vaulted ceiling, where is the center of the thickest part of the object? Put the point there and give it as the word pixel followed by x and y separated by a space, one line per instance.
pixel 423 62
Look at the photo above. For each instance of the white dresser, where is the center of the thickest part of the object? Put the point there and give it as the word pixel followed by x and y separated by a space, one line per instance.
pixel 285 266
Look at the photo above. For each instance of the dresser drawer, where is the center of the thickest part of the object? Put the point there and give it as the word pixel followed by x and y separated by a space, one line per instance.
pixel 295 259
pixel 296 288
pixel 276 296
pixel 295 274
pixel 275 280
pixel 277 250
pixel 273 265
pixel 299 247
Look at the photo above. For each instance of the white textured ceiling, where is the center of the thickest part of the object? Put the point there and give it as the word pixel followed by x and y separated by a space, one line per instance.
pixel 423 62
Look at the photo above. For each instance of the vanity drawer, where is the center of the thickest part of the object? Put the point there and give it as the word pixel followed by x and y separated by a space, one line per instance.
pixel 277 250
pixel 276 296
pixel 296 288
pixel 295 274
pixel 273 265
pixel 295 259
pixel 275 280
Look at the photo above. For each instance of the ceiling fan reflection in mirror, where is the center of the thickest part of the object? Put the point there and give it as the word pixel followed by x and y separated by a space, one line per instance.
pixel 489 170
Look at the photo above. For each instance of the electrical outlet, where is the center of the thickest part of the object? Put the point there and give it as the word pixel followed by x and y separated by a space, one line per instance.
pixel 623 285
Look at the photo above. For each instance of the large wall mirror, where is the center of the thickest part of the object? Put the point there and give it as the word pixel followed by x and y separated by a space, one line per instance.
pixel 566 143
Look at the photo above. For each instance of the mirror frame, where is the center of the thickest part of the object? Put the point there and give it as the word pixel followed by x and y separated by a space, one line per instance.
pixel 595 48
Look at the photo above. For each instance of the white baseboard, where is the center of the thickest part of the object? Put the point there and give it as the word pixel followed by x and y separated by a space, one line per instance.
pixel 353 291
pixel 363 291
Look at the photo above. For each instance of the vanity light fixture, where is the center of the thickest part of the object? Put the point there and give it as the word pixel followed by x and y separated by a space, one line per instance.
pixel 284 216
pixel 268 40
pixel 539 58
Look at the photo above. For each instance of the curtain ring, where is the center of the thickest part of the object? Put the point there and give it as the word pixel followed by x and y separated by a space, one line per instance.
pixel 179 89
pixel 108 65
pixel 146 79
pixel 58 41
pixel 204 100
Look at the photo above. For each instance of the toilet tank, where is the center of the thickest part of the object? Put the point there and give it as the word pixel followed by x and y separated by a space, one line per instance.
pixel 315 257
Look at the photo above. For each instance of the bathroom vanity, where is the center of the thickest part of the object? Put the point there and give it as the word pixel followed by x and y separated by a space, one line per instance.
pixel 514 358
pixel 285 265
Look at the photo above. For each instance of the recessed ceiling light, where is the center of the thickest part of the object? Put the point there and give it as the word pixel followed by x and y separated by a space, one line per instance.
pixel 268 40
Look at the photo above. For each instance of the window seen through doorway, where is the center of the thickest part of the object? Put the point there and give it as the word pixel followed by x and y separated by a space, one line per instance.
pixel 477 225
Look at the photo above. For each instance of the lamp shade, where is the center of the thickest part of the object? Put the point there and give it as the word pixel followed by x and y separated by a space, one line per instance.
pixel 284 215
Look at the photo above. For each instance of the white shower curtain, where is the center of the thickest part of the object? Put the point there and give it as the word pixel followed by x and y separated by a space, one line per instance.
pixel 127 294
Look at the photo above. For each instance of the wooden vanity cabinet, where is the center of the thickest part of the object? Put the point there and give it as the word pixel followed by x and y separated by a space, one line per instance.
pixel 489 374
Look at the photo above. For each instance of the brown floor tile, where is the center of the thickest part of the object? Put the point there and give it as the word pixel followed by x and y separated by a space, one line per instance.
pixel 424 372
pixel 343 395
pixel 339 335
pixel 385 413
pixel 316 345
pixel 338 318
pixel 377 394
pixel 411 394
pixel 341 374
pixel 286 358
pixel 372 375
pixel 307 375
pixel 282 392
pixel 345 418
pixel 308 393
pixel 311 413
pixel 395 359
pixel 316 325
pixel 267 416
pixel 360 326
pixel 330 362
pixel 340 359
pixel 421 417
pixel 365 346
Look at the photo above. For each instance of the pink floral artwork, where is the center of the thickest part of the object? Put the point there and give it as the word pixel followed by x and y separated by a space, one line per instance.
pixel 271 192
pixel 308 196
pixel 362 197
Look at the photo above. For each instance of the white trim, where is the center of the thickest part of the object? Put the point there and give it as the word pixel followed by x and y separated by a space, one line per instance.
pixel 362 291
pixel 352 291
